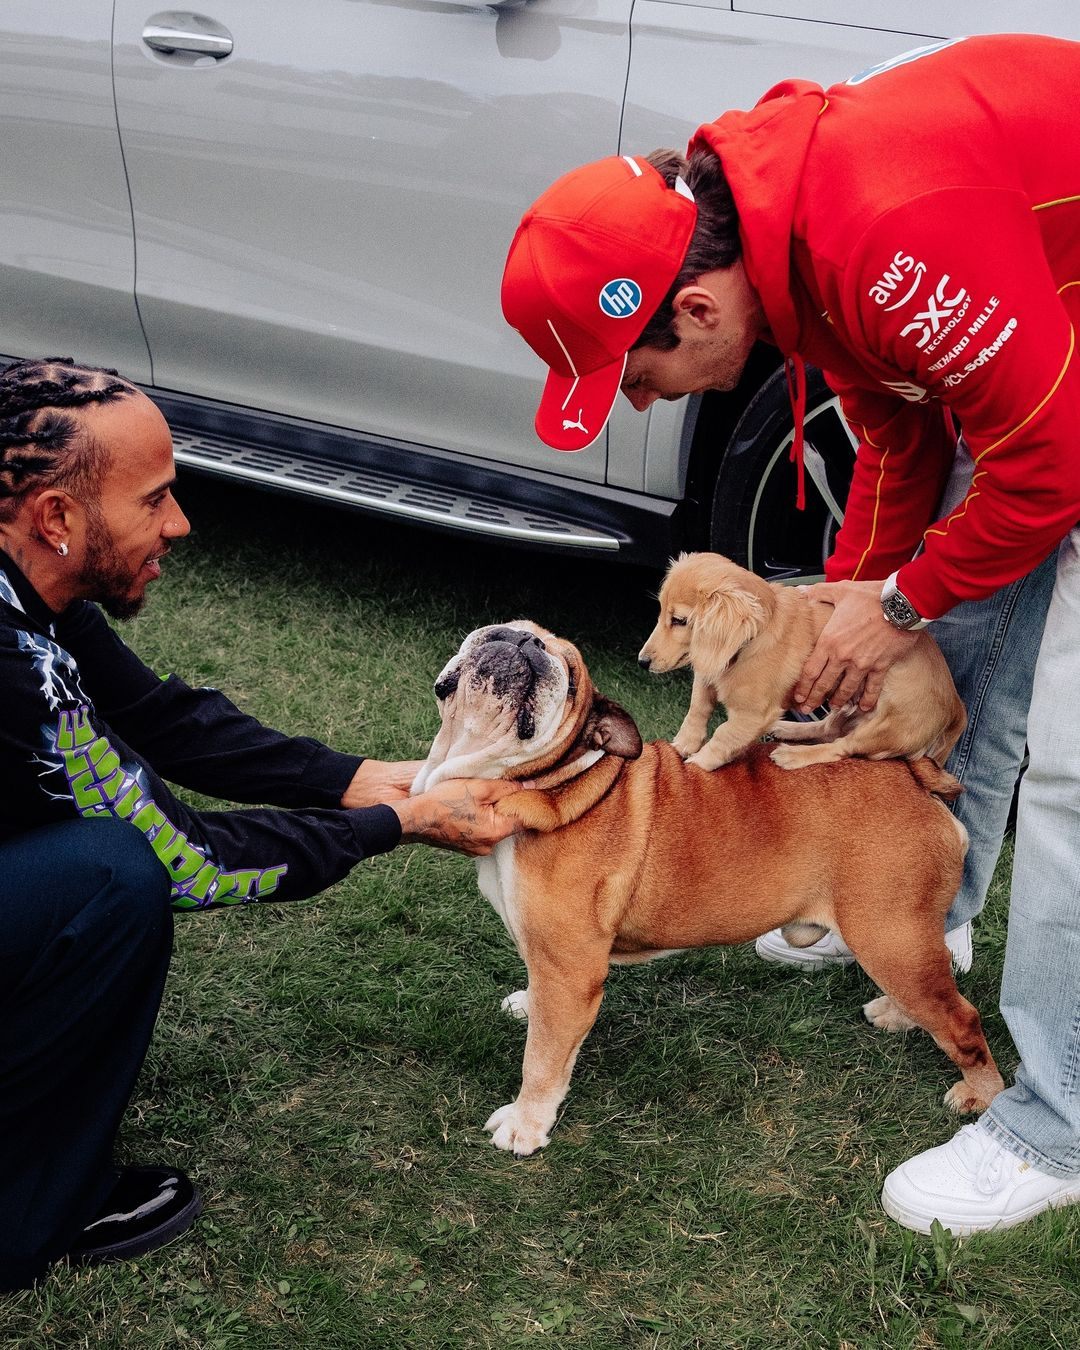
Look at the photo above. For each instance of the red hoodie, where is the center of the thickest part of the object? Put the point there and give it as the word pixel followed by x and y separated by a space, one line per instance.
pixel 915 233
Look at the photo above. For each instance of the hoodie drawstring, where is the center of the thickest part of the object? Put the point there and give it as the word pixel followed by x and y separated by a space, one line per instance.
pixel 795 372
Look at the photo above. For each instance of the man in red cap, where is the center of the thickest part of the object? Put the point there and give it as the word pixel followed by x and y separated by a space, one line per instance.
pixel 915 233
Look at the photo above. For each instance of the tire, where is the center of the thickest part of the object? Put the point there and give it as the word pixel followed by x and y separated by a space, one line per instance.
pixel 754 519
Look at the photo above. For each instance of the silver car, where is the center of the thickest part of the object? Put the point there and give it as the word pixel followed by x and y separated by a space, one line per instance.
pixel 288 222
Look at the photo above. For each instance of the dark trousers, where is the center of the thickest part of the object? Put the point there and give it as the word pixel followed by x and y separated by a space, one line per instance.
pixel 85 942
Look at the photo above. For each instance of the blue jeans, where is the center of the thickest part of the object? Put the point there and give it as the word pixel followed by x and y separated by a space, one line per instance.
pixel 1018 649
pixel 85 940
pixel 1039 1116
pixel 990 646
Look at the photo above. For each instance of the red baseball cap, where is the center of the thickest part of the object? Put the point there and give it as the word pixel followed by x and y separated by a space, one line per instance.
pixel 590 264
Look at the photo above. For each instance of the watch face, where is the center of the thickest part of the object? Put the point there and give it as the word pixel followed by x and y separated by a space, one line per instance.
pixel 899 611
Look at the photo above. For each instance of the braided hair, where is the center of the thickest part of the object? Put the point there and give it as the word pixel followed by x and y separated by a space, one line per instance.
pixel 40 441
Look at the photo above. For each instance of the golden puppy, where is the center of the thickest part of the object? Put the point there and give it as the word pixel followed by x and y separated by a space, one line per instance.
pixel 627 853
pixel 747 640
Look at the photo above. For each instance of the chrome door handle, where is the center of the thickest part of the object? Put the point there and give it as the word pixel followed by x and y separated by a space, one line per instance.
pixel 193 34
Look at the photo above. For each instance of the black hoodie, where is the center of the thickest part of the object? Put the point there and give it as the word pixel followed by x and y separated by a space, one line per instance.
pixel 87 729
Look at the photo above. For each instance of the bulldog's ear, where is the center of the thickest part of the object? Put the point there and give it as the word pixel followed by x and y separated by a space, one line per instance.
pixel 612 729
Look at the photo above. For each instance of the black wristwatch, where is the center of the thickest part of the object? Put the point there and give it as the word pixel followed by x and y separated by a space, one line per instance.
pixel 898 609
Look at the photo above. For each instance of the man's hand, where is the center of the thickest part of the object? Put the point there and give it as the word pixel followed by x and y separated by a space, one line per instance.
pixel 855 650
pixel 460 813
pixel 379 780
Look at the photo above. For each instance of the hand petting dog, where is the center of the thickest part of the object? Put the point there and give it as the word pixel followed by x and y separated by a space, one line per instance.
pixel 750 644
pixel 854 651
pixel 461 814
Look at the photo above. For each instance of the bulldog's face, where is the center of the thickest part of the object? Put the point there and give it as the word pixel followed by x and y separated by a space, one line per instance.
pixel 514 700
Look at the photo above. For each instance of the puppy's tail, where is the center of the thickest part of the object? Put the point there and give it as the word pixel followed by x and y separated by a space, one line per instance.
pixel 934 779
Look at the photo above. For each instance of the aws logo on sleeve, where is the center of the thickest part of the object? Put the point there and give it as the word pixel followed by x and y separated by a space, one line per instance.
pixel 902 275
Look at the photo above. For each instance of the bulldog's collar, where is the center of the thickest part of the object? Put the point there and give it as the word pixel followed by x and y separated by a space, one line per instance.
pixel 563 773
pixel 564 794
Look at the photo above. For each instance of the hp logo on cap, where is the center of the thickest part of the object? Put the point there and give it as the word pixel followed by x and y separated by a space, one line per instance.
pixel 620 298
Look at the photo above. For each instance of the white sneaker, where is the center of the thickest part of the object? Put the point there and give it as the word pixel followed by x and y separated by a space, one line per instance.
pixel 970 1185
pixel 832 950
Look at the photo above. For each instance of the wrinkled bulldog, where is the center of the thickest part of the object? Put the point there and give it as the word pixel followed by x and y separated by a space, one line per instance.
pixel 627 853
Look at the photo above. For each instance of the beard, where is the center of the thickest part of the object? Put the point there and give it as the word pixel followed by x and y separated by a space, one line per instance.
pixel 108 579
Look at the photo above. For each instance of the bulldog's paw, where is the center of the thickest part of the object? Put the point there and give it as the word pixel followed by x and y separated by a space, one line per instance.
pixel 512 1131
pixel 516 1005
pixel 884 1014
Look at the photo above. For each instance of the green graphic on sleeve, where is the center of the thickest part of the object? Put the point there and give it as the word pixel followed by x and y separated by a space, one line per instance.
pixel 100 785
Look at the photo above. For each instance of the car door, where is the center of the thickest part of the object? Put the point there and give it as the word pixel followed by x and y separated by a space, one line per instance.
pixel 67 252
pixel 323 213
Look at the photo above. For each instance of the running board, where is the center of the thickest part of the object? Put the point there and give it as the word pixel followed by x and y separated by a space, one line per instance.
pixel 379 492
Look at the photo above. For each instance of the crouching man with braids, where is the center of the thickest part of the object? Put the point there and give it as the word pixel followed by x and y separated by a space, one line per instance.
pixel 95 850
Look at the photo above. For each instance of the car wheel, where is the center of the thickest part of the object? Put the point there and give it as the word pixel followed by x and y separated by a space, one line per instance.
pixel 754 519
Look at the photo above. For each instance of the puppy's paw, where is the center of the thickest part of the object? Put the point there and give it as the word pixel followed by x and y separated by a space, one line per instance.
pixel 799 756
pixel 512 1131
pixel 707 759
pixel 791 756
pixel 884 1014
pixel 963 1099
pixel 517 1004
pixel 687 745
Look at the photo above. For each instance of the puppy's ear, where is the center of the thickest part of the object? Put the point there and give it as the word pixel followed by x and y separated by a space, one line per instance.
pixel 725 620
pixel 612 729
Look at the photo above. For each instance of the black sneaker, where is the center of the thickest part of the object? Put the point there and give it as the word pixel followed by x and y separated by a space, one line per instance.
pixel 147 1207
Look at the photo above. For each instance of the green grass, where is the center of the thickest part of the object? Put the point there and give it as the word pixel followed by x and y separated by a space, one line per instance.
pixel 324 1069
